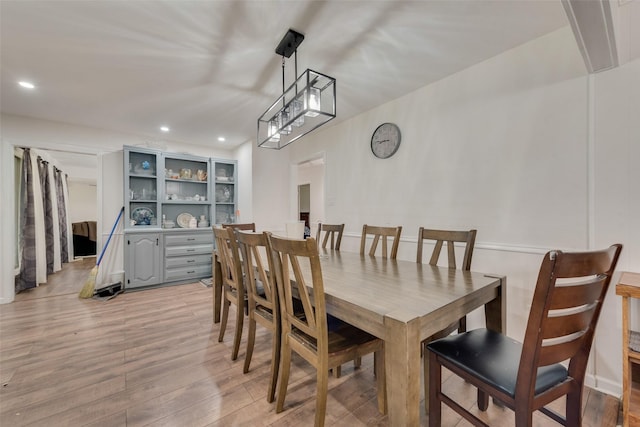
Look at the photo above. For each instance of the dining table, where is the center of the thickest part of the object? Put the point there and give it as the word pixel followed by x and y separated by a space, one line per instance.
pixel 402 303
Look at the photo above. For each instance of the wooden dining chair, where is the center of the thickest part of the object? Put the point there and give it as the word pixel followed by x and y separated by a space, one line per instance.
pixel 299 275
pixel 333 231
pixel 233 290
pixel 248 226
pixel 440 238
pixel 527 376
pixel 381 233
pixel 262 299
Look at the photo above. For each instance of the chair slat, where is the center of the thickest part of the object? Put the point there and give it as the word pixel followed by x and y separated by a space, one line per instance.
pixel 560 326
pixel 577 294
pixel 393 233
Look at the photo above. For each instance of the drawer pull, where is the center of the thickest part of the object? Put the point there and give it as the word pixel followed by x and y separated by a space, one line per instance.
pixel 191 239
pixel 191 250
pixel 191 272
pixel 191 260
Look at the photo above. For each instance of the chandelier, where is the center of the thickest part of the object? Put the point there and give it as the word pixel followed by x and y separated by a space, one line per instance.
pixel 306 105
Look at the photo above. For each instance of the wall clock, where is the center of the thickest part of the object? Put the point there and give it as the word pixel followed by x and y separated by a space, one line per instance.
pixel 385 140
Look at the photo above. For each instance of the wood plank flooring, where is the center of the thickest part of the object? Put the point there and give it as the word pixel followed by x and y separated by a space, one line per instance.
pixel 152 358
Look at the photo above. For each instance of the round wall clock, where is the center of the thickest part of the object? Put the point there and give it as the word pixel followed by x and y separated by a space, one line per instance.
pixel 385 140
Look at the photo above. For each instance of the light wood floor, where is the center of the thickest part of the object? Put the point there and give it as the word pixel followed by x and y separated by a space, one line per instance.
pixel 152 358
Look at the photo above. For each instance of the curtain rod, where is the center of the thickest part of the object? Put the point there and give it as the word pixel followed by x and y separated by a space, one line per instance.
pixel 57 150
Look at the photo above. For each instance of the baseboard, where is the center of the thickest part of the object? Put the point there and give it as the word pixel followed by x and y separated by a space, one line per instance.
pixel 604 385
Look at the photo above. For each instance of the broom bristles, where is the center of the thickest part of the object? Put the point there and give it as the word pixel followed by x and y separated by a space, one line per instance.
pixel 90 284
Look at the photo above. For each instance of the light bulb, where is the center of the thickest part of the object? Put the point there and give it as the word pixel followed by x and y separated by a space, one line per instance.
pixel 284 119
pixel 273 131
pixel 297 106
pixel 313 98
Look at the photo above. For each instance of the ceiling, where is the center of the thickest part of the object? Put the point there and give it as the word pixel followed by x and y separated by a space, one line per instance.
pixel 208 68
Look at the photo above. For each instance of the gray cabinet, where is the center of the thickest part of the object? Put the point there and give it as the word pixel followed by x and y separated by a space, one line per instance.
pixel 187 255
pixel 164 195
pixel 142 256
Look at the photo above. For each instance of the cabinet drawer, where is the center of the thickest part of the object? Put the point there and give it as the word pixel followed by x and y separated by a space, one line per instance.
pixel 184 273
pixel 171 251
pixel 187 261
pixel 188 239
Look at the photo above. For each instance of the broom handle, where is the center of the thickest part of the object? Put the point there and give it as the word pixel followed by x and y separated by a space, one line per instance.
pixel 110 234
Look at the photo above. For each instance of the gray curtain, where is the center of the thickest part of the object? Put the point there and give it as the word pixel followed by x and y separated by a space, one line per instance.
pixel 26 279
pixel 38 251
pixel 43 167
pixel 62 216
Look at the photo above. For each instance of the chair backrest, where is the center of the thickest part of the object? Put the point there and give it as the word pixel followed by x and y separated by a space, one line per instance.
pixel 256 262
pixel 229 255
pixel 448 236
pixel 330 230
pixel 381 233
pixel 298 273
pixel 566 304
pixel 249 226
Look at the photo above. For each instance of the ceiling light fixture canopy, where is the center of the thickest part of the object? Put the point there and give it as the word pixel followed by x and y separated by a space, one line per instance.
pixel 306 105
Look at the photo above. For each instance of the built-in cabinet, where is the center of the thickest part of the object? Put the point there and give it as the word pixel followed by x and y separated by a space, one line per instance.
pixel 172 199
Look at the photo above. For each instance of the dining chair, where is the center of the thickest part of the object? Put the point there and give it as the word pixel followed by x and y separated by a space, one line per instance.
pixel 299 275
pixel 233 290
pixel 550 362
pixel 440 238
pixel 248 226
pixel 333 231
pixel 262 299
pixel 381 233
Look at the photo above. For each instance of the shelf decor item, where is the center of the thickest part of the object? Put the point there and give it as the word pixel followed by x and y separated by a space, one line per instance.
pixel 142 216
pixel 184 219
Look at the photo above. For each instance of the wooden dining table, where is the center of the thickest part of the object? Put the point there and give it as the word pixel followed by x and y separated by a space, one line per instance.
pixel 403 303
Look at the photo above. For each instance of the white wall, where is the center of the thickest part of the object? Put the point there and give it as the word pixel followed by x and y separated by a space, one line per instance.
pixel 616 204
pixel 83 199
pixel 525 147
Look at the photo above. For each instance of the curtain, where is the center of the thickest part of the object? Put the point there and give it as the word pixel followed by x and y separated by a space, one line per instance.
pixel 44 201
pixel 27 277
pixel 43 169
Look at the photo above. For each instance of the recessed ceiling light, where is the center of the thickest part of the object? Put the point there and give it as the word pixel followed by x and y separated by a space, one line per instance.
pixel 26 84
pixel 164 128
pixel 221 138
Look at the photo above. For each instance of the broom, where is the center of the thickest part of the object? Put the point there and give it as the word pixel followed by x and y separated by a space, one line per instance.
pixel 90 284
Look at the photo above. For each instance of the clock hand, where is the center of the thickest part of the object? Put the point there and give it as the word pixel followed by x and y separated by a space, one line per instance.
pixel 384 140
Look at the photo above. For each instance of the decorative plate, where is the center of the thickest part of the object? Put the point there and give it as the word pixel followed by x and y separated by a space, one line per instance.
pixel 183 219
pixel 142 216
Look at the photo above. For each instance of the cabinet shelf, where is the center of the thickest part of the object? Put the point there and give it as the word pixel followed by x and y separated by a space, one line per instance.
pixel 186 202
pixel 189 181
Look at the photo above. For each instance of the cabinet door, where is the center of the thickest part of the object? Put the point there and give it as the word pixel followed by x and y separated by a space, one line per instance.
pixel 142 255
pixel 141 192
pixel 225 191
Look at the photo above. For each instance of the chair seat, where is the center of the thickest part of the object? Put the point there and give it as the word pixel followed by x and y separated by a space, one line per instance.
pixel 494 358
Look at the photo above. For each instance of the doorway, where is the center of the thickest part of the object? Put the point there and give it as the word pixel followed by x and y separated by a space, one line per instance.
pixel 310 183
pixel 304 207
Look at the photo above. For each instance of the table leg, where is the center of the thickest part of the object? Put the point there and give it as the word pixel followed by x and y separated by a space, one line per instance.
pixel 217 289
pixel 495 311
pixel 402 369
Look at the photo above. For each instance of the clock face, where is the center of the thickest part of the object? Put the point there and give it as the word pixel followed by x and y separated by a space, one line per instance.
pixel 385 140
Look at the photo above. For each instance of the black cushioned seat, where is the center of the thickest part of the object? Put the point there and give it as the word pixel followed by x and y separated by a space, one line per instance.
pixel 494 358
